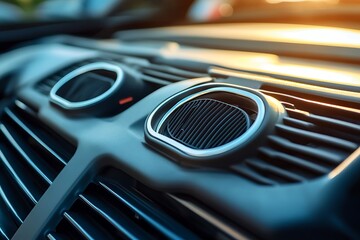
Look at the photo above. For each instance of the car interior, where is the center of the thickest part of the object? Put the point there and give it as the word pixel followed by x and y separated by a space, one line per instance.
pixel 165 119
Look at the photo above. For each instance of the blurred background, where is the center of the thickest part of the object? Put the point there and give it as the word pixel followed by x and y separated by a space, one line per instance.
pixel 323 12
pixel 22 20
pixel 41 10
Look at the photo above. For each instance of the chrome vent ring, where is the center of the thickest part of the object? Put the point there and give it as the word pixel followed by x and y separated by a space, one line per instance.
pixel 207 120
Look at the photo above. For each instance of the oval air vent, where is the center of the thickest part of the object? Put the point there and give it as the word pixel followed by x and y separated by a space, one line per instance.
pixel 87 85
pixel 206 123
pixel 212 123
pixel 99 89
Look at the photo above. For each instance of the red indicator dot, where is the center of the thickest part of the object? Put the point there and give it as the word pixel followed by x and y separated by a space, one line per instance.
pixel 125 100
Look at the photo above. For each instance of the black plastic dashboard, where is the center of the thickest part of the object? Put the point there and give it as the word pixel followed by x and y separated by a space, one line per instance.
pixel 98 172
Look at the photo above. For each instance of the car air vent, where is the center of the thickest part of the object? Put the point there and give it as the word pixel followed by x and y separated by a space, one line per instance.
pixel 99 89
pixel 206 123
pixel 115 206
pixel 310 142
pixel 48 83
pixel 31 156
pixel 86 85
pixel 212 124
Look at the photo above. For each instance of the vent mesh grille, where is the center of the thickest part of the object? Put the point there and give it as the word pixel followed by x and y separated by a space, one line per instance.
pixel 31 156
pixel 312 140
pixel 206 123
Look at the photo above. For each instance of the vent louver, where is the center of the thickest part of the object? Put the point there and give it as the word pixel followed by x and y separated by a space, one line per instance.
pixel 31 156
pixel 206 123
pixel 312 140
pixel 115 209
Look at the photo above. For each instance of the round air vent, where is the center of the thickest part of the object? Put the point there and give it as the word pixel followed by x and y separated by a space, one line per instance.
pixel 212 122
pixel 87 85
pixel 97 88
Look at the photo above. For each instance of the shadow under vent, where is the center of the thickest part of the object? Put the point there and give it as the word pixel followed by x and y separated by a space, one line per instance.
pixel 206 123
pixel 31 156
pixel 310 142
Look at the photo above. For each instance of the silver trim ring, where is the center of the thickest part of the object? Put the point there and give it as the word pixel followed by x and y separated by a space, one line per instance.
pixel 77 72
pixel 211 151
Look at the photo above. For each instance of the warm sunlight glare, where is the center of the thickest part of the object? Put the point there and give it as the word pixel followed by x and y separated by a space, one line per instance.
pixel 325 35
pixel 314 73
pixel 297 1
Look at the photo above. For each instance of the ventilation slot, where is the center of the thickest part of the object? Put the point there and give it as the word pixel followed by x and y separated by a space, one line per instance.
pixel 164 75
pixel 206 123
pixel 31 156
pixel 114 209
pixel 312 140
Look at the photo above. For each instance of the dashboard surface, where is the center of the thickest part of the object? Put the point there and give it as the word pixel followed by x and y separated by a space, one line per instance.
pixel 267 190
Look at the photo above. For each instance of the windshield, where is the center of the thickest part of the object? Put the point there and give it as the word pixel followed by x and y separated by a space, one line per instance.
pixel 344 13
pixel 53 10
pixel 322 12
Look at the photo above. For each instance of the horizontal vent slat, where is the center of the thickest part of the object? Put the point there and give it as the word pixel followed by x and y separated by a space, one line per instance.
pixel 289 159
pixel 245 171
pixel 294 122
pixel 347 111
pixel 325 121
pixel 310 142
pixel 311 152
pixel 273 170
pixel 316 137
